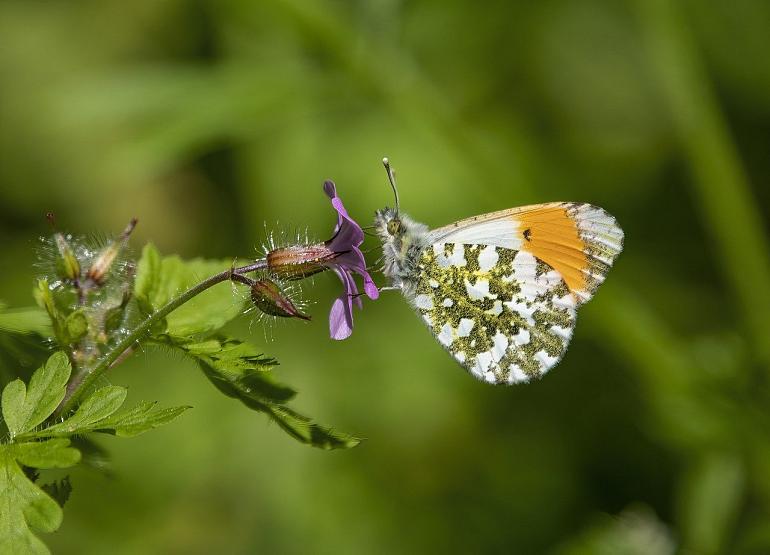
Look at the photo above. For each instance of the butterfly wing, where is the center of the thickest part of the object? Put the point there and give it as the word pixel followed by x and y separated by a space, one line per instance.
pixel 580 241
pixel 504 315
pixel 500 291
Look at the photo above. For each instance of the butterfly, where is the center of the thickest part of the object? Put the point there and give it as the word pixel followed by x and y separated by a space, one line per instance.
pixel 500 291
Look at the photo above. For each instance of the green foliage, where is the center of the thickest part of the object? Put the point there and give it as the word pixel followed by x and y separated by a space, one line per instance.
pixel 236 368
pixel 27 507
pixel 159 279
pixel 24 408
pixel 238 371
pixel 206 119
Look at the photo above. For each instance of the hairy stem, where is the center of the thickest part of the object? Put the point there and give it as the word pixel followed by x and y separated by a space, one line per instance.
pixel 79 386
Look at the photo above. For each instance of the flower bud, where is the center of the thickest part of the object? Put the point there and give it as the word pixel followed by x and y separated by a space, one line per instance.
pixel 67 265
pixel 104 260
pixel 268 297
pixel 299 261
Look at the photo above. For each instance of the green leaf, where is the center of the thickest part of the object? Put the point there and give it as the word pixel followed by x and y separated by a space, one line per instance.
pixel 98 414
pixel 96 408
pixel 24 507
pixel 305 430
pixel 24 408
pixel 52 453
pixel 159 279
pixel 139 420
pixel 239 371
pixel 24 320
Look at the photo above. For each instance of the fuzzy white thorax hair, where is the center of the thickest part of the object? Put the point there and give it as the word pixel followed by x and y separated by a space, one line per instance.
pixel 403 240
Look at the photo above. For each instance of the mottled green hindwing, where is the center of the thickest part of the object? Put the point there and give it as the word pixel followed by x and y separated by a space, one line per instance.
pixel 505 315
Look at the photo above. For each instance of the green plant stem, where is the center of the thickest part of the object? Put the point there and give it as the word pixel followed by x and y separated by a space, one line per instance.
pixel 76 389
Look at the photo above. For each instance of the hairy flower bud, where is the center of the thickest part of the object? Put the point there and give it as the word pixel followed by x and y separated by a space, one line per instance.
pixel 104 260
pixel 67 265
pixel 299 261
pixel 268 297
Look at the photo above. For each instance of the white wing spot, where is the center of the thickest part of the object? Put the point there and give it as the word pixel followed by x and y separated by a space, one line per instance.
pixel 488 258
pixel 457 258
pixel 564 333
pixel 517 375
pixel 423 301
pixel 465 327
pixel 496 309
pixel 479 290
pixel 522 310
pixel 546 360
pixel 500 345
pixel 483 360
pixel 521 338
pixel 446 335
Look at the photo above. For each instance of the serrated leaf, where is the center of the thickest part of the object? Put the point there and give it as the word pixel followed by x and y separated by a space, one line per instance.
pixel 99 415
pixel 24 507
pixel 96 408
pixel 26 407
pixel 307 431
pixel 159 279
pixel 140 419
pixel 239 371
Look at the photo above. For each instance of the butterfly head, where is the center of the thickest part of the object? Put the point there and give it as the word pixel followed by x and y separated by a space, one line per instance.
pixel 402 240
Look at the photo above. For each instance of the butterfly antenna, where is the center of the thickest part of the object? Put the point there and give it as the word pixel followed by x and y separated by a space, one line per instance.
pixel 392 179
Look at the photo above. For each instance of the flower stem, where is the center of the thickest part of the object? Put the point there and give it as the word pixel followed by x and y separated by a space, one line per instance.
pixel 79 386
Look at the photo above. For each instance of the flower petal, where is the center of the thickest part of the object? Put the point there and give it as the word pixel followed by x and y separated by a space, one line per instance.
pixel 348 235
pixel 340 319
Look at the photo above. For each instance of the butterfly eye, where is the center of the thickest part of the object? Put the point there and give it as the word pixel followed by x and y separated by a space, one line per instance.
pixel 394 226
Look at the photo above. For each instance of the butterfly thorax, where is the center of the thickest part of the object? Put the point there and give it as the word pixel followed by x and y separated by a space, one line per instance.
pixel 403 241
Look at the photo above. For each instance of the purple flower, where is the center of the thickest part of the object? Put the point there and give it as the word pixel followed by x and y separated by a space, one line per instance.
pixel 340 254
pixel 348 259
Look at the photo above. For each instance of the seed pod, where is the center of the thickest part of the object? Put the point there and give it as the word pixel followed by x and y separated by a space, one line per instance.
pixel 268 297
pixel 299 261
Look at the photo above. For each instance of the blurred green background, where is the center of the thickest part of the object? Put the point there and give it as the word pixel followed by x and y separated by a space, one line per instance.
pixel 206 119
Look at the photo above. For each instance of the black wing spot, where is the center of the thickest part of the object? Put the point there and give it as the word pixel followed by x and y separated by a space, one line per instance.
pixel 528 234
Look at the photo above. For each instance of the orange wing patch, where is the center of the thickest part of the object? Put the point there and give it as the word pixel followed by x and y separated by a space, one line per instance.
pixel 552 235
pixel 580 241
